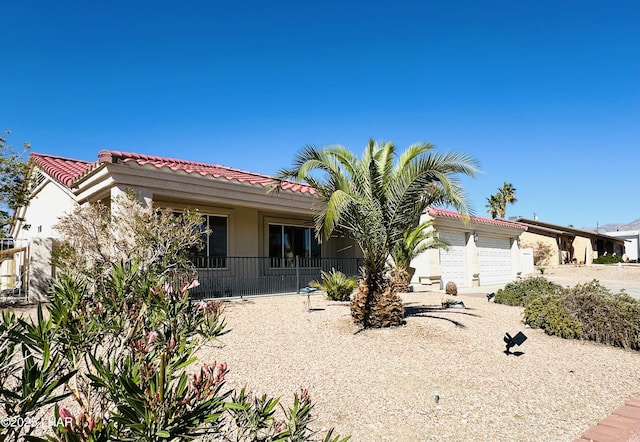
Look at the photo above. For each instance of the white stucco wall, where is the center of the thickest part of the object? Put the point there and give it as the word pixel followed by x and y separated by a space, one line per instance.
pixel 44 211
pixel 429 266
pixel 631 243
pixel 50 202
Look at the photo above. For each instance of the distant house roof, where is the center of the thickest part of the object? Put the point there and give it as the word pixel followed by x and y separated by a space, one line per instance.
pixel 67 171
pixel 557 229
pixel 495 222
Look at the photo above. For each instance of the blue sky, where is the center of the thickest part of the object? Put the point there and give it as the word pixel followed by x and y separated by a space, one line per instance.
pixel 545 94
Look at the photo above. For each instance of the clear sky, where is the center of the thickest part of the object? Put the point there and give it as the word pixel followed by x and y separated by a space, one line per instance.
pixel 545 94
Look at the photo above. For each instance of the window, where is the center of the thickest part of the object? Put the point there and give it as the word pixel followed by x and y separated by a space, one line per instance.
pixel 214 251
pixel 288 242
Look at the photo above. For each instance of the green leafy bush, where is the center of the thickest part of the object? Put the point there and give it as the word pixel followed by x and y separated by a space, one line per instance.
pixel 519 292
pixel 607 259
pixel 608 318
pixel 587 311
pixel 547 313
pixel 337 285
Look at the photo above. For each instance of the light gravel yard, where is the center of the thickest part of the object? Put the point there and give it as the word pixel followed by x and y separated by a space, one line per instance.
pixel 380 385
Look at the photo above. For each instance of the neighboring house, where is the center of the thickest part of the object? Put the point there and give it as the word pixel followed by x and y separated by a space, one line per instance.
pixel 631 250
pixel 565 245
pixel 262 242
pixel 481 251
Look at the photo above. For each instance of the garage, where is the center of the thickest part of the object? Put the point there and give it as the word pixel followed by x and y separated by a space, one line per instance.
pixel 494 259
pixel 452 260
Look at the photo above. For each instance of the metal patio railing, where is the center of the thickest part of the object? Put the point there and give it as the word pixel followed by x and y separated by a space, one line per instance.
pixel 252 276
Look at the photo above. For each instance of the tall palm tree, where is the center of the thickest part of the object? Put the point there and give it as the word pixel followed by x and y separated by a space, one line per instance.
pixel 373 200
pixel 507 195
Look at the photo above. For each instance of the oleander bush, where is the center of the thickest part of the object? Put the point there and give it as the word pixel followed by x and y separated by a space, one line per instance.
pixel 519 292
pixel 120 343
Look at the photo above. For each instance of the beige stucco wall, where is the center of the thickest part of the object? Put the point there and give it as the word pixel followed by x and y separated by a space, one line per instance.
pixel 248 228
pixel 531 240
pixel 583 250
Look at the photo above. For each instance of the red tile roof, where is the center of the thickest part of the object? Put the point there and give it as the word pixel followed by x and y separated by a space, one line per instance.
pixel 477 219
pixel 66 170
pixel 204 169
pixel 63 170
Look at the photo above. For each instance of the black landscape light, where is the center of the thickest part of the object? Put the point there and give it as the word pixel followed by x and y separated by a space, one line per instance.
pixel 513 341
pixel 490 296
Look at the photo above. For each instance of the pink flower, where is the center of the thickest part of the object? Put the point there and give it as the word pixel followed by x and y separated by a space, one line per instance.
pixel 195 283
pixel 152 336
pixel 65 414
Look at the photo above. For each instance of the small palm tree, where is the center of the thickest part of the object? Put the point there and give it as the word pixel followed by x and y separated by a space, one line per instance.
pixel 337 285
pixel 414 242
pixel 494 206
pixel 373 200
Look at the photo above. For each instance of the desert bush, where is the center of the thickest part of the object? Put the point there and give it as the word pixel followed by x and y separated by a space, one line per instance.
pixel 541 252
pixel 519 292
pixel 336 284
pixel 547 313
pixel 96 235
pixel 608 259
pixel 587 311
pixel 606 317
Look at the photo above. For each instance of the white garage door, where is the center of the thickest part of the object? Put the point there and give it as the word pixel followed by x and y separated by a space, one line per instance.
pixel 494 257
pixel 452 260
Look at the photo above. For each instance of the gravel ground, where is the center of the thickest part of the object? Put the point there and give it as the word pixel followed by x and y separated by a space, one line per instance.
pixel 380 385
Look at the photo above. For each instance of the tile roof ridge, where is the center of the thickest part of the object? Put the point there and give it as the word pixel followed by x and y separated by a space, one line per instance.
pixel 114 156
pixel 57 157
pixel 498 222
pixel 111 156
pixel 62 169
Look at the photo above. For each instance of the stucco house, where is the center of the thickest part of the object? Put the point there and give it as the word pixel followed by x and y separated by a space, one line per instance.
pixel 566 245
pixel 631 249
pixel 261 242
pixel 481 251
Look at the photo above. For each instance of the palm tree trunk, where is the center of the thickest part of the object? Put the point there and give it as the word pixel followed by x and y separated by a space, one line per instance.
pixel 375 303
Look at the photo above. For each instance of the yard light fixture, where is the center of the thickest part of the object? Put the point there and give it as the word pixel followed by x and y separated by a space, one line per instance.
pixel 513 341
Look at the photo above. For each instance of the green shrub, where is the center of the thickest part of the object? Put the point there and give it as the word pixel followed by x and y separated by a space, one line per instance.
pixel 587 311
pixel 607 259
pixel 337 285
pixel 547 313
pixel 519 292
pixel 612 319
